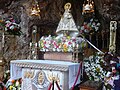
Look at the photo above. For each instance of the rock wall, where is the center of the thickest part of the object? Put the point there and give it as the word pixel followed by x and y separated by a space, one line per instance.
pixel 16 47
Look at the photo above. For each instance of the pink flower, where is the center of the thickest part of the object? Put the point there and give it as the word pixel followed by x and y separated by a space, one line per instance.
pixel 69 43
pixel 55 44
pixel 74 40
pixel 45 46
pixel 8 23
pixel 45 42
pixel 81 31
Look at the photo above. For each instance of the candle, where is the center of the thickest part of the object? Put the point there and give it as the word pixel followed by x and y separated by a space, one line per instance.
pixel 30 44
pixel 3 39
pixel 77 45
pixel 36 44
pixel 73 44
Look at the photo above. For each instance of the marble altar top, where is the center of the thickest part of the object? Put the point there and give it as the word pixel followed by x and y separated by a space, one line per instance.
pixel 45 64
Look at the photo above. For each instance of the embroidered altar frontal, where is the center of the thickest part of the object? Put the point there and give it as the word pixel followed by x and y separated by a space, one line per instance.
pixel 39 74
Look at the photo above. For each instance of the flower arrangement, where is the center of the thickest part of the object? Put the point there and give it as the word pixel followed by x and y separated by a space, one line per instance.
pixel 60 44
pixel 93 67
pixel 10 26
pixel 15 84
pixel 89 26
pixel 104 68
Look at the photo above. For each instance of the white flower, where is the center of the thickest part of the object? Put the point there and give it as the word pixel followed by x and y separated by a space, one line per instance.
pixel 54 49
pixel 82 28
pixel 12 27
pixel 42 38
pixel 8 21
pixel 58 50
pixel 43 49
pixel 91 19
pixel 96 28
pixel 6 29
pixel 47 50
pixel 98 24
pixel 17 83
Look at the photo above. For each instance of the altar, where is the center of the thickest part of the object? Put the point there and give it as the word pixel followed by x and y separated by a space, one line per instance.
pixel 39 74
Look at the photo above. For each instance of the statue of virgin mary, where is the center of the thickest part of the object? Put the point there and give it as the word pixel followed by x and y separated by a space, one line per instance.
pixel 67 25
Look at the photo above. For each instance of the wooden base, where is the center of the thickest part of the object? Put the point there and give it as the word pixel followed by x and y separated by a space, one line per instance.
pixel 62 56
pixel 58 56
pixel 91 85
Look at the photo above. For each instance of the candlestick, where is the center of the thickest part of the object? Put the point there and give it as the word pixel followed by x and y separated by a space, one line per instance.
pixel 3 39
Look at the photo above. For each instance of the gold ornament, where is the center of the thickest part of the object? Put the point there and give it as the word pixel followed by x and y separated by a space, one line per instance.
pixel 52 77
pixel 25 74
pixel 41 77
pixel 28 74
pixel 31 74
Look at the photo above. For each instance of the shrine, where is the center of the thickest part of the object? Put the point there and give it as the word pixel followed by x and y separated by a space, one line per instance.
pixel 59 45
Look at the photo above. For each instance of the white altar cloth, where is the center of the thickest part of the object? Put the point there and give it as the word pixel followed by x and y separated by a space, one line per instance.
pixel 18 67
